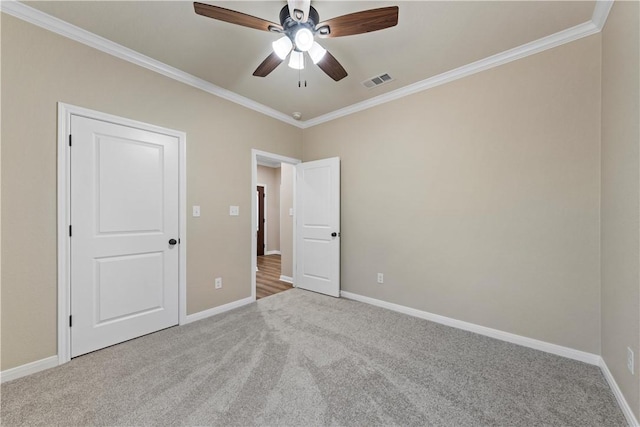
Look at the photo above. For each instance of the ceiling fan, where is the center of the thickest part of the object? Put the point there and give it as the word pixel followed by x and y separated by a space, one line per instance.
pixel 299 25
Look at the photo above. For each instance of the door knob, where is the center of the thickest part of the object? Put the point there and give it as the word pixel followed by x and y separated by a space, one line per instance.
pixel 334 234
pixel 173 242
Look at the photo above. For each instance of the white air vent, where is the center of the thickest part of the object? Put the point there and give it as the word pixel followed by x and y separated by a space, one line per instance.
pixel 377 80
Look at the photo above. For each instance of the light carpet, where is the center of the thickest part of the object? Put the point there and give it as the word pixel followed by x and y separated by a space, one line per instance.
pixel 299 358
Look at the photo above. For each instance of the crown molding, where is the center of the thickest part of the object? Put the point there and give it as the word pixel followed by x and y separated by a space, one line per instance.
pixel 65 29
pixel 595 25
pixel 601 13
pixel 58 26
pixel 537 46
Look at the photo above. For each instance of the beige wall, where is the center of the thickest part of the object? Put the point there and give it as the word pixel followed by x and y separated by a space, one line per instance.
pixel 38 70
pixel 286 221
pixel 271 178
pixel 621 196
pixel 479 199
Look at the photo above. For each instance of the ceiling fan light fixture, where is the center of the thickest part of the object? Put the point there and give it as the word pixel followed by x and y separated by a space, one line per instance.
pixel 300 22
pixel 303 39
pixel 296 60
pixel 282 47
pixel 316 52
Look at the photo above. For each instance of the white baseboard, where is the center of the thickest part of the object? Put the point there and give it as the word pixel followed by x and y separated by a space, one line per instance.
pixel 28 369
pixel 582 356
pixel 217 310
pixel 590 358
pixel 286 279
pixel 593 359
pixel 272 253
pixel 622 402
pixel 51 362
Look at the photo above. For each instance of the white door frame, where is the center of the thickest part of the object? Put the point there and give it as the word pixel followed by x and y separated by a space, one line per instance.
pixel 255 154
pixel 65 111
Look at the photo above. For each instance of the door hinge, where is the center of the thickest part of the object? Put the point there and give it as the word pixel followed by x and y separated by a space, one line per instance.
pixel 69 140
pixel 69 231
pixel 70 321
pixel 178 241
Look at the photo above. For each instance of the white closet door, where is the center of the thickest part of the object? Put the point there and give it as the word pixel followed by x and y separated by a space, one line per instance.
pixel 124 216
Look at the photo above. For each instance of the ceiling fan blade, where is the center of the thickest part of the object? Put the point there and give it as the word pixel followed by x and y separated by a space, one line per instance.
pixel 268 65
pixel 330 65
pixel 359 22
pixel 299 9
pixel 234 17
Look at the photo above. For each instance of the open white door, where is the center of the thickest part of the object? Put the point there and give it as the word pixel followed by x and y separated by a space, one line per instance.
pixel 318 226
pixel 124 241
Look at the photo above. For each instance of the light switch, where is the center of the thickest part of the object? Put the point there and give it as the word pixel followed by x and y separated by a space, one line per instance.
pixel 234 210
pixel 196 211
pixel 290 211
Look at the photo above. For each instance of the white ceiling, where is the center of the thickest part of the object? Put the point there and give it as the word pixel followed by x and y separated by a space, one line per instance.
pixel 432 37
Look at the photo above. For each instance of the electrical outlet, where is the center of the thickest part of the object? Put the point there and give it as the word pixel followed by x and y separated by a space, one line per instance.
pixel 630 360
pixel 218 282
pixel 380 278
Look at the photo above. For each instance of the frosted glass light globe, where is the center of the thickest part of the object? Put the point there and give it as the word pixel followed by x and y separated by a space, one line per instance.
pixel 316 52
pixel 303 39
pixel 296 60
pixel 282 47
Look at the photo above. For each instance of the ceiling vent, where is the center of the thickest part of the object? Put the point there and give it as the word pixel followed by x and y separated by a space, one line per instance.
pixel 377 80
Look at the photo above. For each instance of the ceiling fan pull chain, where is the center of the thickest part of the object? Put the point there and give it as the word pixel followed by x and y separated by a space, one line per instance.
pixel 304 60
pixel 300 75
pixel 300 78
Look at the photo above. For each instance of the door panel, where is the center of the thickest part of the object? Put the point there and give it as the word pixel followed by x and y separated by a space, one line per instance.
pixel 124 210
pixel 137 276
pixel 317 218
pixel 129 192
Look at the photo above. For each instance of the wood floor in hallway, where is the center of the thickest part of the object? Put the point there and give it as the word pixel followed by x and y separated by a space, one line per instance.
pixel 268 277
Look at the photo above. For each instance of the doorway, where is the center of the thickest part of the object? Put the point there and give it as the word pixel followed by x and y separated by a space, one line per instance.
pixel 272 269
pixel 270 278
pixel 121 229
pixel 315 222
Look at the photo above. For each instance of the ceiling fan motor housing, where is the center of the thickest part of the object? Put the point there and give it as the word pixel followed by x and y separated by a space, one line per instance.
pixel 291 26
